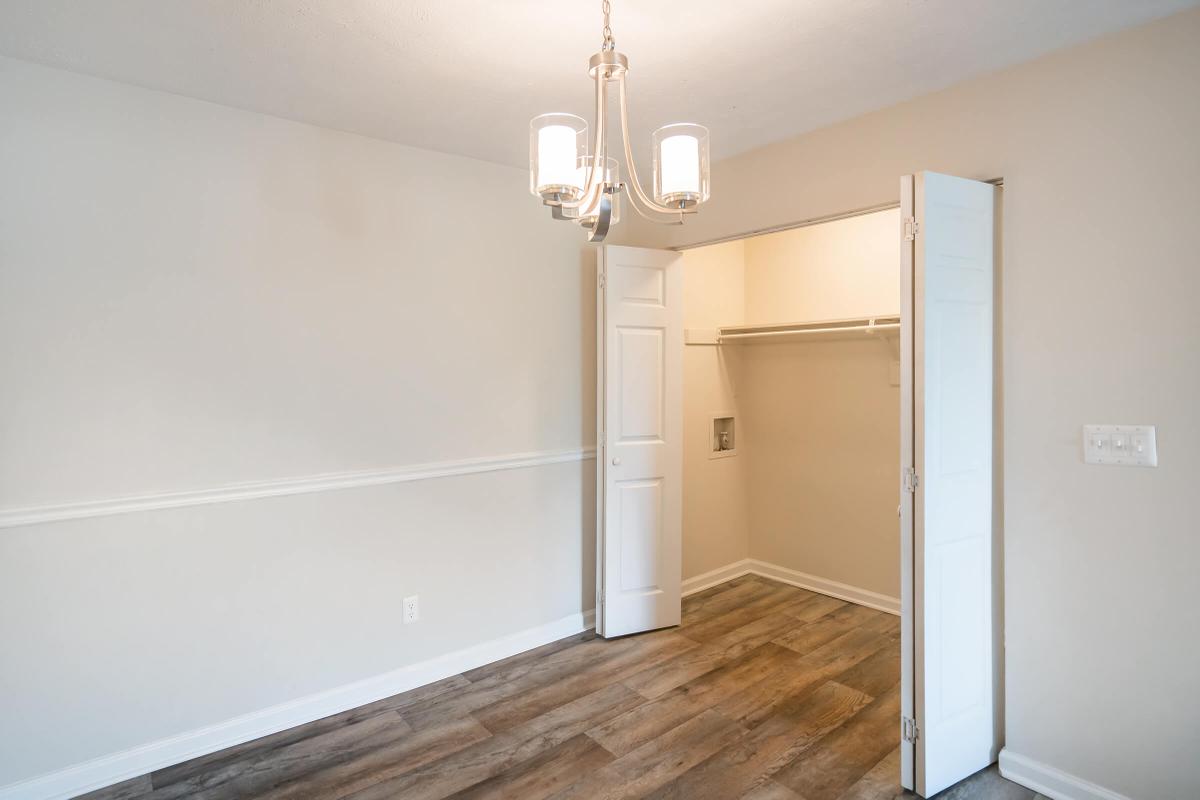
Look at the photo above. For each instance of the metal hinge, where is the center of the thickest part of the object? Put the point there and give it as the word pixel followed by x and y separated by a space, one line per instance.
pixel 910 229
pixel 601 277
pixel 911 480
pixel 909 729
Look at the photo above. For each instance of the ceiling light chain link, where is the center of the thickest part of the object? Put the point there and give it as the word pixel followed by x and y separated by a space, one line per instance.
pixel 609 42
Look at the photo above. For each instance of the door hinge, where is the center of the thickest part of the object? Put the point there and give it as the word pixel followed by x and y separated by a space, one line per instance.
pixel 601 279
pixel 910 229
pixel 911 480
pixel 909 729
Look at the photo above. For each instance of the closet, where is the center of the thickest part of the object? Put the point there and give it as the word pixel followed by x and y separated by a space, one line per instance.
pixel 815 404
pixel 792 344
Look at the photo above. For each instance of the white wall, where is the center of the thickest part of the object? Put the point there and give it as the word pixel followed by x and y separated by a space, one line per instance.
pixel 1097 148
pixel 716 522
pixel 193 297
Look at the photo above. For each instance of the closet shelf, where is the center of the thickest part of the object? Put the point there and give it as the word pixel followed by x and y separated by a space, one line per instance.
pixel 854 328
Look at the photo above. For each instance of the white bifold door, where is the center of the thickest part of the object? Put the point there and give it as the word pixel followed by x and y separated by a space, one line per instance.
pixel 948 705
pixel 640 428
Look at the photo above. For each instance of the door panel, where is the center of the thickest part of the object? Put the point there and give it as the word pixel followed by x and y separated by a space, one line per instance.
pixel 951 260
pixel 640 366
pixel 640 534
pixel 639 460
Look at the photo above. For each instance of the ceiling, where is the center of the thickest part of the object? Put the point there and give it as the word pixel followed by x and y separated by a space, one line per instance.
pixel 465 76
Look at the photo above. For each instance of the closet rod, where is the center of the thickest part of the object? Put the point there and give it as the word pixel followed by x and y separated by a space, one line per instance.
pixel 887 326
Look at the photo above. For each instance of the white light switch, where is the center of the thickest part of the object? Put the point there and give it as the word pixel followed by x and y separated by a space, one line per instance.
pixel 1123 445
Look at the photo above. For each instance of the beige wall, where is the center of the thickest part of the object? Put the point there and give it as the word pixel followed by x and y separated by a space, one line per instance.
pixel 824 468
pixel 1098 149
pixel 835 270
pixel 193 296
pixel 715 515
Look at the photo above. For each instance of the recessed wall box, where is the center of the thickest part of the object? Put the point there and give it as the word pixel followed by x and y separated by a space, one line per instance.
pixel 722 438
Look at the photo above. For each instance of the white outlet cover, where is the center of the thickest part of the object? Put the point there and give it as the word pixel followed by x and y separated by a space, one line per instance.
pixel 412 611
pixel 1120 445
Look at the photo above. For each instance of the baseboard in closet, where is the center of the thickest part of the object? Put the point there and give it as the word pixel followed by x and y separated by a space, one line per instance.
pixel 716 577
pixel 122 765
pixel 753 566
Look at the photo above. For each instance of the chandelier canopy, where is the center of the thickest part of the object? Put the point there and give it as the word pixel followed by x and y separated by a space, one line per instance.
pixel 578 180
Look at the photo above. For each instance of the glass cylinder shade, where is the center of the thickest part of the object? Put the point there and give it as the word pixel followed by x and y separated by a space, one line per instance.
pixel 681 175
pixel 556 142
pixel 611 177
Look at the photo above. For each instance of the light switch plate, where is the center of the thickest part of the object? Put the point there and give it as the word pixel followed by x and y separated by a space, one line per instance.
pixel 1120 445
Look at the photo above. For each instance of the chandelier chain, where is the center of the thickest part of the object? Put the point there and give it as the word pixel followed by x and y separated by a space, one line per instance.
pixel 609 42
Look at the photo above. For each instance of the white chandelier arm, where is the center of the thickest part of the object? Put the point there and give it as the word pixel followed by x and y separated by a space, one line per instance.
pixel 638 193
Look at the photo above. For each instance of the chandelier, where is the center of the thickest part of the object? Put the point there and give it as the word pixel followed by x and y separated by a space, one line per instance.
pixel 583 184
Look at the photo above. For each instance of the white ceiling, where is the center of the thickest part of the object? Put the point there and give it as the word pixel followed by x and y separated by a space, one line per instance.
pixel 465 76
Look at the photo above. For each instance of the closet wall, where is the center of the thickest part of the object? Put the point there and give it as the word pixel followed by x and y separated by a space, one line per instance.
pixel 822 417
pixel 813 488
pixel 716 521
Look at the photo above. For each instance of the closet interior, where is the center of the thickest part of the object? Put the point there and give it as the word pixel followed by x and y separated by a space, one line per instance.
pixel 791 400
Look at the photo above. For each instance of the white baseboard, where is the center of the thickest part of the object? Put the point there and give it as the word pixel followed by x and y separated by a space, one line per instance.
pixel 120 766
pixel 842 591
pixel 716 577
pixel 753 566
pixel 1052 782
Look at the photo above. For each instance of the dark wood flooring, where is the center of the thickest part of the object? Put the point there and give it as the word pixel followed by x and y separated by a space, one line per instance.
pixel 765 692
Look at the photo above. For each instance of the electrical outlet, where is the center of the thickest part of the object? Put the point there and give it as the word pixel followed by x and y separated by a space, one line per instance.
pixel 412 612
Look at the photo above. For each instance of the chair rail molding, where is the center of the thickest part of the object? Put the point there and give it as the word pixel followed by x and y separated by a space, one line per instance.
pixel 328 482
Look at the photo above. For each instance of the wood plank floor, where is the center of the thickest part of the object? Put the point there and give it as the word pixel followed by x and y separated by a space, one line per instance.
pixel 765 692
